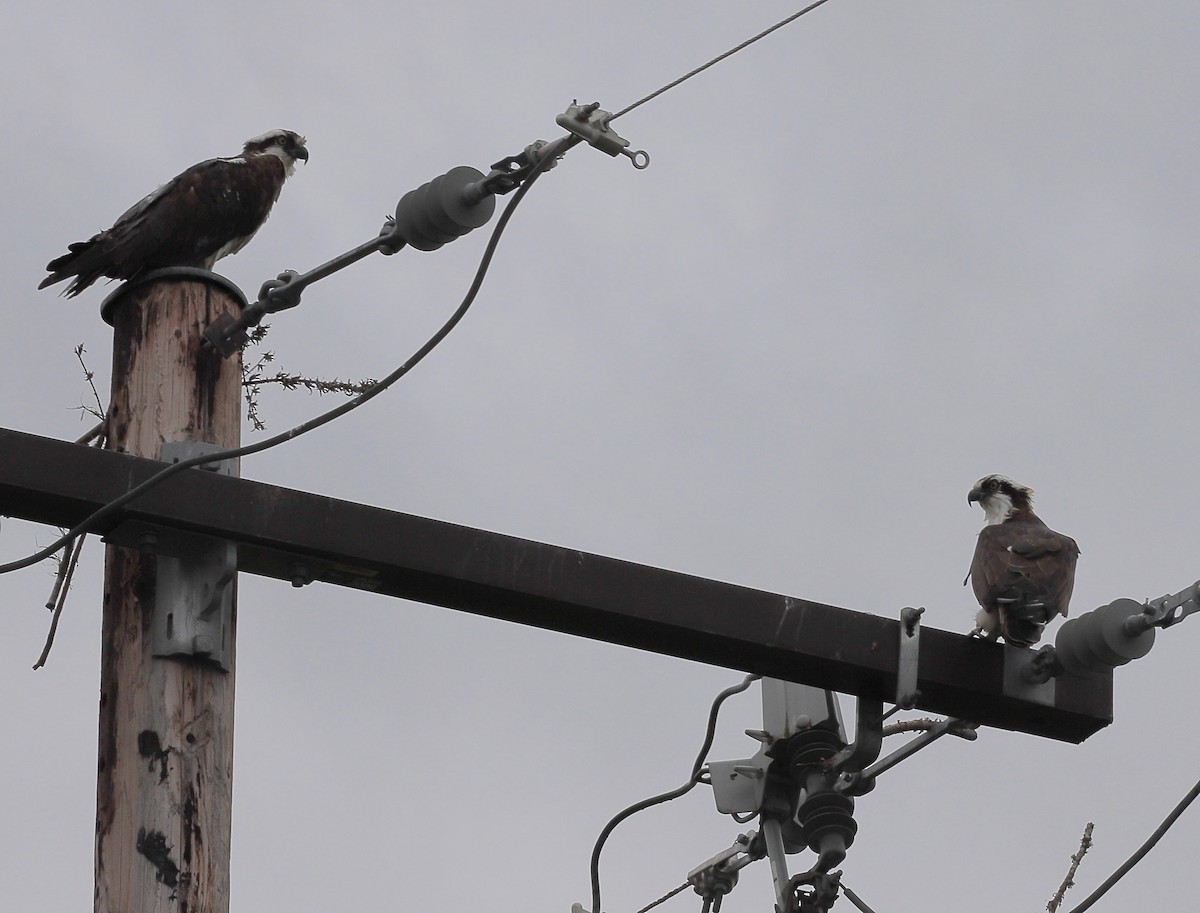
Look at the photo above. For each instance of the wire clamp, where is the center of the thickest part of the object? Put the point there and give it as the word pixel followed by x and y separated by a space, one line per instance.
pixel 716 877
pixel 813 892
pixel 591 124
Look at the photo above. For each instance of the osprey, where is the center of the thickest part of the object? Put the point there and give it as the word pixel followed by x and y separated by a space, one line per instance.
pixel 1023 571
pixel 211 210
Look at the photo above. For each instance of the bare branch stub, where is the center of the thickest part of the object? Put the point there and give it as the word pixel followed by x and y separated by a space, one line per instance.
pixel 1084 845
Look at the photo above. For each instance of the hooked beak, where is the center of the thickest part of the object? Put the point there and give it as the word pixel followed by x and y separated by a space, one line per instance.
pixel 301 153
pixel 975 494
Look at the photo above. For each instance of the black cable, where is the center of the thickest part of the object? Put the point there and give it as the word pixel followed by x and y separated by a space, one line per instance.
pixel 718 59
pixel 855 899
pixel 1141 851
pixel 1116 876
pixel 654 903
pixel 697 772
pixel 97 518
pixel 91 522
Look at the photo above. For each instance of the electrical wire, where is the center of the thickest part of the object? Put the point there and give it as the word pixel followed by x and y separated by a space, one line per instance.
pixel 1116 876
pixel 1141 851
pixel 671 893
pixel 111 508
pixel 855 899
pixel 696 777
pixel 92 522
pixel 700 69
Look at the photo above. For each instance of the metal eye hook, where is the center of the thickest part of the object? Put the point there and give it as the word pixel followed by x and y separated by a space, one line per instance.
pixel 639 157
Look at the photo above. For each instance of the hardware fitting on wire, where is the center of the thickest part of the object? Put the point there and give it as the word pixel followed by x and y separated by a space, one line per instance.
pixel 592 125
pixel 1101 640
pixel 437 212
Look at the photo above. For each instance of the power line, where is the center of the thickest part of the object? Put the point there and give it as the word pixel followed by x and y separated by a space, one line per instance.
pixel 719 58
pixel 1141 851
pixel 665 897
pixel 90 523
pixel 855 899
pixel 697 773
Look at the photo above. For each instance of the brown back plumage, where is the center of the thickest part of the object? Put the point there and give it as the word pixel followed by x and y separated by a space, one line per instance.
pixel 1023 572
pixel 209 211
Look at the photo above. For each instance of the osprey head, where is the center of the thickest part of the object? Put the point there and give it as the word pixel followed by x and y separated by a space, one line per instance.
pixel 286 145
pixel 1000 497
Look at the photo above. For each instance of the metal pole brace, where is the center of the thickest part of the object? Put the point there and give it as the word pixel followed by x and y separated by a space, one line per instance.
pixel 857 785
pixel 193 596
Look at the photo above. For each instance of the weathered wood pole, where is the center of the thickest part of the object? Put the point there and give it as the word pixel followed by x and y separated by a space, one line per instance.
pixel 165 781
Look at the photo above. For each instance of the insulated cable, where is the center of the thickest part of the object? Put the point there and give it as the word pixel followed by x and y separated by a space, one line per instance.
pixel 697 774
pixel 98 517
pixel 91 522
pixel 1141 851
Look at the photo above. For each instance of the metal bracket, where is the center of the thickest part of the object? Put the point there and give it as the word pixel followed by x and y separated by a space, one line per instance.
pixel 865 781
pixel 1165 611
pixel 908 666
pixel 738 785
pixel 812 892
pixel 193 599
pixel 1020 677
pixel 868 737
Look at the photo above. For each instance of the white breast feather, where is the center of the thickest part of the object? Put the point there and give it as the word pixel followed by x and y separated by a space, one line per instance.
pixel 997 508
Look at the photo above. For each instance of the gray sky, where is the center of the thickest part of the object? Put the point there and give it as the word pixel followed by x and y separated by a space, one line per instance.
pixel 889 249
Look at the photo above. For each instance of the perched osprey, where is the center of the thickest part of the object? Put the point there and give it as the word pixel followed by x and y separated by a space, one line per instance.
pixel 1023 571
pixel 211 210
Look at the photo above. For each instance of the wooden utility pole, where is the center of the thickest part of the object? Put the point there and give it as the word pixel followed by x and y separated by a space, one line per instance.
pixel 165 782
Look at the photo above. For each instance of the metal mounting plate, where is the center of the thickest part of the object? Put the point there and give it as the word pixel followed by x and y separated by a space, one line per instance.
pixel 193 597
pixel 1016 659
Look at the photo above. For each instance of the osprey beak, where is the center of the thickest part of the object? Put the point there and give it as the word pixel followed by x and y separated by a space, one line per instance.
pixel 301 153
pixel 975 494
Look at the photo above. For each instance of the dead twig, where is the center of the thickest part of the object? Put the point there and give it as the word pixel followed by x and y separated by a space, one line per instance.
pixel 89 376
pixel 960 728
pixel 59 599
pixel 97 431
pixel 254 379
pixel 69 558
pixel 1084 845
pixel 922 725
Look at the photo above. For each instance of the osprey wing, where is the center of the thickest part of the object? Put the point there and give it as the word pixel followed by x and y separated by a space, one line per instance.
pixel 1023 562
pixel 209 210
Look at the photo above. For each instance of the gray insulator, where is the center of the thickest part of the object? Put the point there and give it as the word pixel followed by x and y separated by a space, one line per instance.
pixel 438 212
pixel 1099 641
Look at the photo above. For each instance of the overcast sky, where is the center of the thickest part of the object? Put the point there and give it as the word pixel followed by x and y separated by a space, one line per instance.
pixel 888 250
